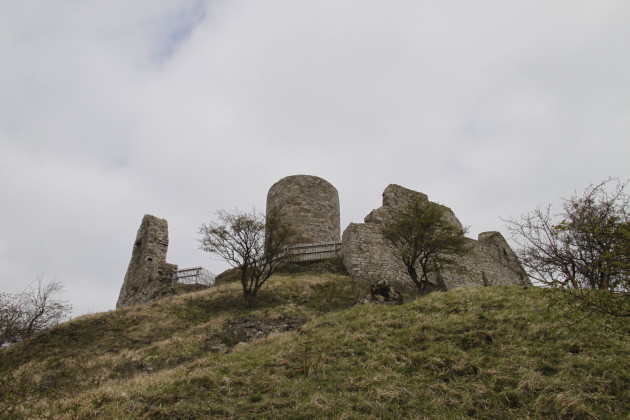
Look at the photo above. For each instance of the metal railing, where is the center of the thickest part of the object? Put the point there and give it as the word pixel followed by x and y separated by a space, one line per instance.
pixel 313 252
pixel 194 275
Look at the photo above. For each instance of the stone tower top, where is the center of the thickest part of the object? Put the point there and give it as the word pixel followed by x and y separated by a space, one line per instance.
pixel 308 203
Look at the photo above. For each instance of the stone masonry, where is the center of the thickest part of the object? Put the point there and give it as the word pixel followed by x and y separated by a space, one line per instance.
pixel 309 204
pixel 149 277
pixel 367 256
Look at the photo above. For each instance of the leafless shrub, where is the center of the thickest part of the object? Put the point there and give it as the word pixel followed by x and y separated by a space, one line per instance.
pixel 583 253
pixel 253 243
pixel 37 308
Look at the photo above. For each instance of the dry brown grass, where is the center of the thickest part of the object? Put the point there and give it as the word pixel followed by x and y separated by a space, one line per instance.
pixel 471 353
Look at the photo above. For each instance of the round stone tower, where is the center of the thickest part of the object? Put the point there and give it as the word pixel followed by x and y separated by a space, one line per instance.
pixel 309 204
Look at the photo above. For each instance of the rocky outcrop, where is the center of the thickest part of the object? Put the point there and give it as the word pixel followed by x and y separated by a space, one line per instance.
pixel 383 292
pixel 367 256
pixel 149 276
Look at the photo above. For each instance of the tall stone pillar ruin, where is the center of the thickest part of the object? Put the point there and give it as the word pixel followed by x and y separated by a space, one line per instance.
pixel 149 276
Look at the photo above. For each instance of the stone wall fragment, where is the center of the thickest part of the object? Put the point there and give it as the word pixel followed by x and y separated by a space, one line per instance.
pixel 149 277
pixel 366 254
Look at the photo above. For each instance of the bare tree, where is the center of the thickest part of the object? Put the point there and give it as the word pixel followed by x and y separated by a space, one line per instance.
pixel 424 240
pixel 583 252
pixel 37 308
pixel 250 242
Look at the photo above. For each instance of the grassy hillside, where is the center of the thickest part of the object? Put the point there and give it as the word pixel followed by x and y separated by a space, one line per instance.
pixel 306 351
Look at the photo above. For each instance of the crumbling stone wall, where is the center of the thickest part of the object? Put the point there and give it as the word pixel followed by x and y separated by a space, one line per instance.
pixel 310 204
pixel 366 254
pixel 149 276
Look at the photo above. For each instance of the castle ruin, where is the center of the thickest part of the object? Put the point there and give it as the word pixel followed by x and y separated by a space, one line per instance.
pixel 366 255
pixel 149 276
pixel 311 206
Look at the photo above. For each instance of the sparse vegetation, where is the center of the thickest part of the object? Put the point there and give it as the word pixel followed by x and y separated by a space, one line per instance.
pixel 306 352
pixel 252 243
pixel 583 254
pixel 330 265
pixel 38 307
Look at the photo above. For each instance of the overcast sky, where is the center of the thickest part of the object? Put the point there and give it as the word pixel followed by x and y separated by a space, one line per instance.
pixel 113 109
